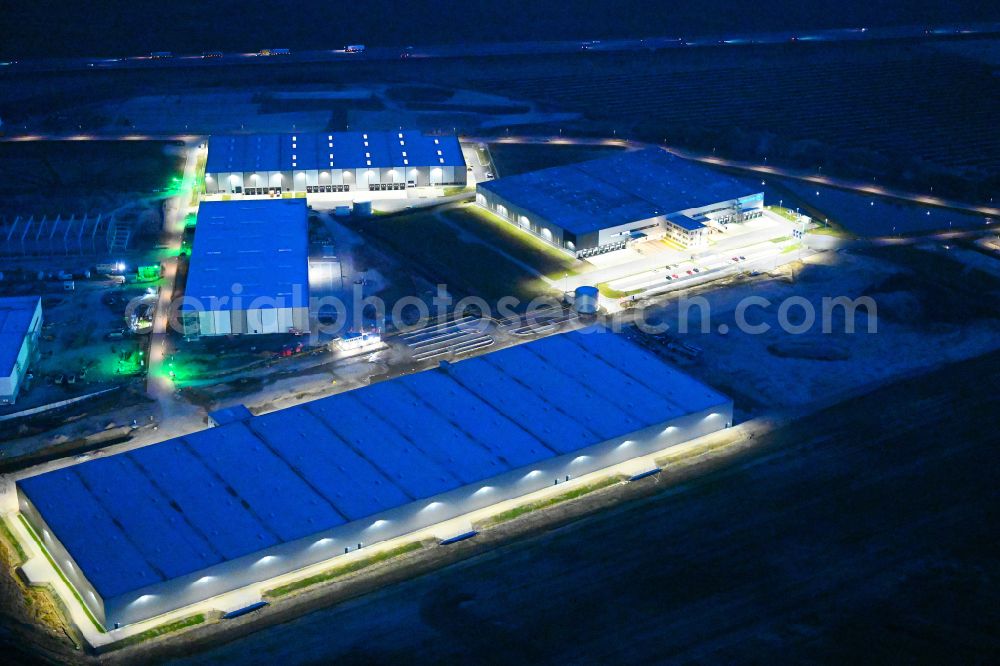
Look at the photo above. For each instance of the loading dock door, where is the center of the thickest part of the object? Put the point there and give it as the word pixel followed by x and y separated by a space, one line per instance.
pixel 269 320
pixel 223 322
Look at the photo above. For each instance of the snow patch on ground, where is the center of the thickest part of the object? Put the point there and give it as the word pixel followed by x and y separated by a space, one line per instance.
pixel 744 365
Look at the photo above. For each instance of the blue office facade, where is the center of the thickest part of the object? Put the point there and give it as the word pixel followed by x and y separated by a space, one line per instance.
pixel 330 162
pixel 158 528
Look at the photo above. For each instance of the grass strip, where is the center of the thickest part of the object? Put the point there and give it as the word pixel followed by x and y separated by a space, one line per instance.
pixel 511 514
pixel 22 556
pixel 156 632
pixel 337 572
pixel 527 247
pixel 467 265
pixel 829 231
pixel 615 293
pixel 786 213
pixel 45 552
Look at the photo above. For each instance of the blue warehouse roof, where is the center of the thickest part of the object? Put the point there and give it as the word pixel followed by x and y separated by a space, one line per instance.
pixel 612 191
pixel 148 515
pixel 261 245
pixel 16 314
pixel 686 221
pixel 330 150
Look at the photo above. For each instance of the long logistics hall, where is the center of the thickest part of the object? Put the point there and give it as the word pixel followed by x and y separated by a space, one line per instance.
pixel 162 527
pixel 249 268
pixel 604 204
pixel 315 163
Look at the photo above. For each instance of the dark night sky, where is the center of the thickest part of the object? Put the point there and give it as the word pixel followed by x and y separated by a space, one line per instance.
pixel 112 27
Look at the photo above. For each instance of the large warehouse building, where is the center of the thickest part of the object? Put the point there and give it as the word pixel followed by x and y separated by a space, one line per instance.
pixel 20 328
pixel 158 528
pixel 604 204
pixel 249 268
pixel 314 163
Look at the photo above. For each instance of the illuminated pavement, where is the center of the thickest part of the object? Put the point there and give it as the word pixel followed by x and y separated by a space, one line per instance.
pixel 640 269
pixel 177 417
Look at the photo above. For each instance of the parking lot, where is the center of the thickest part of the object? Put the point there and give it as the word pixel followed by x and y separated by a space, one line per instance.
pixel 758 244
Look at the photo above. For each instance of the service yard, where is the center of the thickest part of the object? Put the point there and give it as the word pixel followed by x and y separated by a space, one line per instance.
pixel 657 266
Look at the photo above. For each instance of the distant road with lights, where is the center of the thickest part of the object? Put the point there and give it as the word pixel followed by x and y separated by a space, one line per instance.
pixel 762 169
pixel 707 158
pixel 498 49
